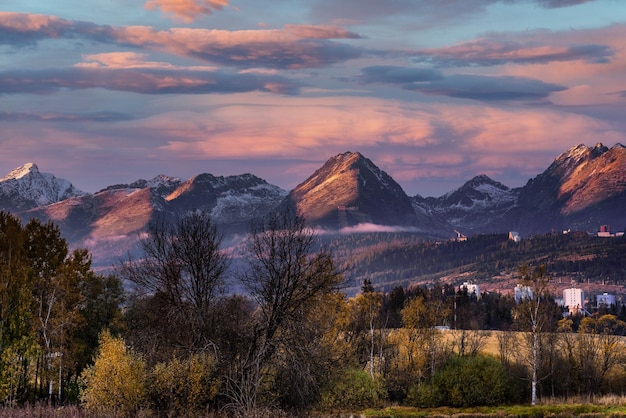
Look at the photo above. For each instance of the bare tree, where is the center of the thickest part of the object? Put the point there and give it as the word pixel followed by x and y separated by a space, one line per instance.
pixel 184 266
pixel 506 343
pixel 470 342
pixel 286 278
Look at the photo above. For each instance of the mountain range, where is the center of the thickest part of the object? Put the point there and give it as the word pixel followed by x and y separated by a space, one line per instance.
pixel 583 188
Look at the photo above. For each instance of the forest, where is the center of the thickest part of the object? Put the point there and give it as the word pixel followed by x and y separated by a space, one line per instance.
pixel 163 336
pixel 396 259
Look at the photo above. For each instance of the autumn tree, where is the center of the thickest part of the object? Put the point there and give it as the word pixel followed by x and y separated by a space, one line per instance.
pixel 421 317
pixel 17 339
pixel 367 327
pixel 600 348
pixel 184 386
pixel 287 278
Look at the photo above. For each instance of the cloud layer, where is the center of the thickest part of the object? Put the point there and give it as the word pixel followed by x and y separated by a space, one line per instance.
pixel 432 92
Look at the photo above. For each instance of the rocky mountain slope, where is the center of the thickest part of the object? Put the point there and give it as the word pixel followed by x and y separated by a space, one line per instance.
pixel 474 207
pixel 349 190
pixel 583 188
pixel 111 222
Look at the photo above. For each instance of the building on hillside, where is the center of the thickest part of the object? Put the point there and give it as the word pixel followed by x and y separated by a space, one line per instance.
pixel 574 299
pixel 522 292
pixel 515 236
pixel 471 288
pixel 605 299
pixel 605 232
pixel 460 237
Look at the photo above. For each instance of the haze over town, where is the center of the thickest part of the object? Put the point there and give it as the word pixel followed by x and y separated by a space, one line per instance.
pixel 105 92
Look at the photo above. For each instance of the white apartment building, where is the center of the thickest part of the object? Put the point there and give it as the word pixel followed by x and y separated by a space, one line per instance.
pixel 574 298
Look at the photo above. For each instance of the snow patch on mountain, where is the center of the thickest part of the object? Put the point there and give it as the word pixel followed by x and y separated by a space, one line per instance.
pixel 234 205
pixel 161 185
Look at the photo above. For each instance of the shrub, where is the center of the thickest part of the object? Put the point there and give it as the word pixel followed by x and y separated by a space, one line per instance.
pixel 353 388
pixel 465 382
pixel 180 386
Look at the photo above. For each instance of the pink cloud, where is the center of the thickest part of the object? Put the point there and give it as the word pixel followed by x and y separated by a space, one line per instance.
pixel 321 32
pixel 420 145
pixel 411 142
pixel 293 47
pixel 286 48
pixel 131 60
pixel 24 22
pixel 588 82
pixel 186 10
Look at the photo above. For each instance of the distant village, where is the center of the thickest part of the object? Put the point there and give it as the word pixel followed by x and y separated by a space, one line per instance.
pixel 573 299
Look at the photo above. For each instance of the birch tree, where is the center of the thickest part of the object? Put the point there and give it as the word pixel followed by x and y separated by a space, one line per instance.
pixel 533 316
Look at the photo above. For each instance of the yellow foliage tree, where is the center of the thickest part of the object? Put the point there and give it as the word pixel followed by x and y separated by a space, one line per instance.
pixel 421 317
pixel 116 382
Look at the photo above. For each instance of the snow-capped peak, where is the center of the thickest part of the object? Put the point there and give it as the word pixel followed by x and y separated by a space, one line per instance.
pixel 26 187
pixel 21 171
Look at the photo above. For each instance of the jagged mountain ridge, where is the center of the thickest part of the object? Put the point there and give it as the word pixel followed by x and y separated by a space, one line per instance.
pixel 475 206
pixel 111 222
pixel 583 188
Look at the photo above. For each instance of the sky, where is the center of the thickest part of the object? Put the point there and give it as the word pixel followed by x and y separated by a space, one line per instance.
pixel 103 92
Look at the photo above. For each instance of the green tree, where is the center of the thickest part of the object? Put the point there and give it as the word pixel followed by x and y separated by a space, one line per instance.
pixel 17 339
pixel 50 301
pixel 116 382
pixel 46 252
pixel 353 388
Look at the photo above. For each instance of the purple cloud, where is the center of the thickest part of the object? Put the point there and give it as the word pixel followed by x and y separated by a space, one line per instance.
pixel 554 4
pixel 397 75
pixel 427 11
pixel 64 117
pixel 487 53
pixel 142 81
pixel 487 88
